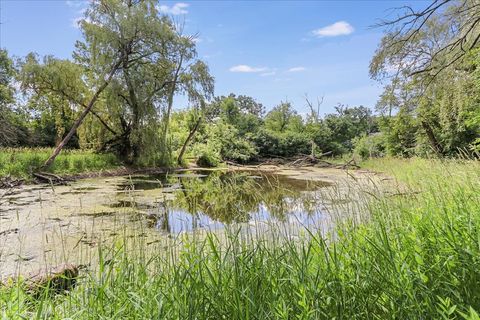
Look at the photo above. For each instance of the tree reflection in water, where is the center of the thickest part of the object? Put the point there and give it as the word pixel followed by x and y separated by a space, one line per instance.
pixel 228 198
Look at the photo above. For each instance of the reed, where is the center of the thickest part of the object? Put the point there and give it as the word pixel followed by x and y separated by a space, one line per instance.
pixel 20 162
pixel 417 257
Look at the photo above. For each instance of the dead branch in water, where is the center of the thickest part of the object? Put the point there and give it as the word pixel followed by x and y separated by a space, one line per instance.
pixel 9 182
pixel 302 161
pixel 50 178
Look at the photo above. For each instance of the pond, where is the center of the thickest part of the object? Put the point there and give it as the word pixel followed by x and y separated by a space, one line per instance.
pixel 206 200
pixel 42 225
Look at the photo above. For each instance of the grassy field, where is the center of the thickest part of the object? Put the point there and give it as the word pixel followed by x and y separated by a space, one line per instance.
pixel 418 257
pixel 19 163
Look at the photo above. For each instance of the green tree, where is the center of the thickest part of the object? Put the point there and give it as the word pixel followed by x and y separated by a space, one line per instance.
pixel 427 59
pixel 400 133
pixel 282 118
pixel 56 92
pixel 13 131
pixel 128 67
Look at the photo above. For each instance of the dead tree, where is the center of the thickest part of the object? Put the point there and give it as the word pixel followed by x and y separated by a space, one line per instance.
pixel 315 116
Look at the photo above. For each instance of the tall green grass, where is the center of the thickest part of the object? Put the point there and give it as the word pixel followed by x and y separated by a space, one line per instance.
pixel 20 162
pixel 417 257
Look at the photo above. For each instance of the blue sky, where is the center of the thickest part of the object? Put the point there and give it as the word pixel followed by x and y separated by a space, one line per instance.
pixel 270 50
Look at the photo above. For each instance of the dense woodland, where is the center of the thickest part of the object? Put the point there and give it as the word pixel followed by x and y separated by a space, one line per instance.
pixel 116 94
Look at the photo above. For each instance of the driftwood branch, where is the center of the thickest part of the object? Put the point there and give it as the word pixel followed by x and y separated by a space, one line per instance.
pixel 50 178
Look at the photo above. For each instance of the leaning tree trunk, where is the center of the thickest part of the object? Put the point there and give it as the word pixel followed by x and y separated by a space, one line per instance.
pixel 80 119
pixel 187 141
pixel 436 146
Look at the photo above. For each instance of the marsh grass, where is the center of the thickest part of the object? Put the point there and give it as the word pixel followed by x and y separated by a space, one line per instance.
pixel 417 257
pixel 20 162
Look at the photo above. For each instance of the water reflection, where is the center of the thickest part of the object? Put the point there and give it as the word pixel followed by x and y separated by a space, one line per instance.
pixel 213 200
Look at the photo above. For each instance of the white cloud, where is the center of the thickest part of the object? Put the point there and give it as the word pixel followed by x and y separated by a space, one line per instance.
pixel 297 69
pixel 340 28
pixel 246 69
pixel 176 9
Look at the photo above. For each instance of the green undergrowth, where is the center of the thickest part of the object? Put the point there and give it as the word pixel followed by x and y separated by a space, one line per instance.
pixel 20 162
pixel 417 257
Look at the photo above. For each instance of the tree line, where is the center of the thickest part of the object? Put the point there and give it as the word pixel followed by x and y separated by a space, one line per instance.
pixel 117 93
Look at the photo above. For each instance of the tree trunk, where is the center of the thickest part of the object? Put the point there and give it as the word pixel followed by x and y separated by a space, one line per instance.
pixel 79 121
pixel 432 139
pixel 187 141
pixel 170 104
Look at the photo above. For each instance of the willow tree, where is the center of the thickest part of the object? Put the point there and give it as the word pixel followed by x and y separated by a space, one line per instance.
pixel 160 63
pixel 187 76
pixel 126 70
pixel 118 36
pixel 140 101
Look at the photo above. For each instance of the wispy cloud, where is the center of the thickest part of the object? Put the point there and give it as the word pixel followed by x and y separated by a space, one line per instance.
pixel 340 28
pixel 247 69
pixel 297 69
pixel 176 9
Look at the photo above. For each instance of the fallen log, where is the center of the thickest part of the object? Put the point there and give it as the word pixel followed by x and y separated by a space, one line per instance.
pixel 351 163
pixel 9 182
pixel 303 161
pixel 50 178
pixel 56 280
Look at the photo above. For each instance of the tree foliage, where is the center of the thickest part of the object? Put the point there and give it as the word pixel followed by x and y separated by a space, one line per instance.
pixel 118 92
pixel 428 59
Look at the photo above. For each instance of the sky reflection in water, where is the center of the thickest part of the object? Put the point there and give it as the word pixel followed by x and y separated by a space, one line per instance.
pixel 213 200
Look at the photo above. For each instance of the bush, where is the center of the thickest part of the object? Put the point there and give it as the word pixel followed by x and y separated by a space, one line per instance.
pixel 231 145
pixel 239 149
pixel 206 156
pixel 283 144
pixel 369 146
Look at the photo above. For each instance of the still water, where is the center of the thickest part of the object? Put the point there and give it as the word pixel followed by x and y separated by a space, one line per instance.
pixel 211 200
pixel 43 225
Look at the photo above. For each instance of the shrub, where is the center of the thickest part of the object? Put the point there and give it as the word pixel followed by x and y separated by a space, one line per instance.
pixel 206 156
pixel 369 146
pixel 284 144
pixel 230 144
